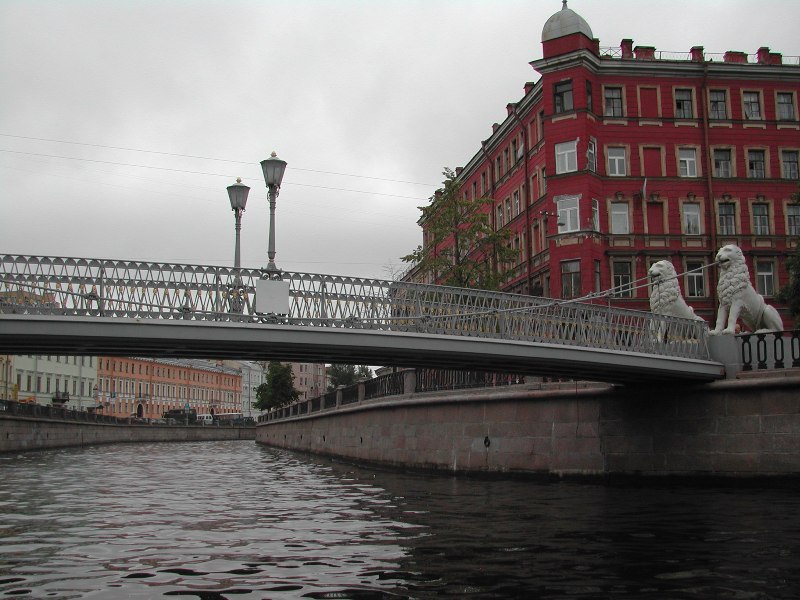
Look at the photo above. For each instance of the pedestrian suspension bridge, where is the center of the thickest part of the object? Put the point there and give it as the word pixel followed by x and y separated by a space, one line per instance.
pixel 82 306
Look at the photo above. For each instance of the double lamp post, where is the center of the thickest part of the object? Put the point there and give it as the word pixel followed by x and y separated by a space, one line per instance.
pixel 273 169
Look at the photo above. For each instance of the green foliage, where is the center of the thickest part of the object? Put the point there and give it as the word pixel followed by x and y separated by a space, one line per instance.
pixel 278 390
pixel 790 294
pixel 472 249
pixel 339 375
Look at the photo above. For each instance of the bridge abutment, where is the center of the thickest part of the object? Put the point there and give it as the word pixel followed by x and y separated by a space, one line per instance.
pixel 734 428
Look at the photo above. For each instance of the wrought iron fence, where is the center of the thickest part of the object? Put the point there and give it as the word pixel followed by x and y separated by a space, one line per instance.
pixel 68 287
pixel 431 380
pixel 390 384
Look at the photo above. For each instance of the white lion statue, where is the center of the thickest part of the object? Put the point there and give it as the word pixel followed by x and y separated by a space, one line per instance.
pixel 738 298
pixel 666 298
pixel 665 293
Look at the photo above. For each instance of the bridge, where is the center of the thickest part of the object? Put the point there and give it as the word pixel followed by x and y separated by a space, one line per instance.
pixel 82 306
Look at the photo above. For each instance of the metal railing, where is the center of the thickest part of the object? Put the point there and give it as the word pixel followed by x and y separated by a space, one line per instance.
pixel 392 384
pixel 36 285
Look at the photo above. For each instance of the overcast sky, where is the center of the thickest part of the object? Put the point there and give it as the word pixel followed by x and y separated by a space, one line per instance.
pixel 122 122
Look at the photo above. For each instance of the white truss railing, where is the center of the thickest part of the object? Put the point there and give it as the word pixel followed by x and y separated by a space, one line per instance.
pixel 116 288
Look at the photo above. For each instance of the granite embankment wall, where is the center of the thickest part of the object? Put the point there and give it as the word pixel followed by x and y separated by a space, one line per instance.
pixel 28 433
pixel 739 428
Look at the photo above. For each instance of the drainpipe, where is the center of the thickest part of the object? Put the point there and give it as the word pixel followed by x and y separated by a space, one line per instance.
pixel 528 233
pixel 712 223
pixel 492 190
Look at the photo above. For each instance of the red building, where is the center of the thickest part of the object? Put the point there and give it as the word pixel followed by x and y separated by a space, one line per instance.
pixel 619 157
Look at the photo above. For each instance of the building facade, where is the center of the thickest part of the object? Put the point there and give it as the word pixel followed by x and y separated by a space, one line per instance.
pixel 67 381
pixel 146 388
pixel 309 379
pixel 619 157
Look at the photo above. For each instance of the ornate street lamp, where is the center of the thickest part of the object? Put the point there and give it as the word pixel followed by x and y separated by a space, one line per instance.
pixel 273 168
pixel 237 194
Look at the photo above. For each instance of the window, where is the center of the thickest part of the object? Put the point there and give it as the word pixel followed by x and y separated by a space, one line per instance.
pixel 687 162
pixel 483 183
pixel 568 213
pixel 566 157
pixel 756 164
pixel 786 106
pixel 616 162
pixel 695 280
pixel 474 196
pixel 722 163
pixel 570 279
pixel 589 100
pixel 515 199
pixel 765 278
pixel 789 164
pixel 683 104
pixel 613 102
pixel 718 108
pixel 562 97
pixel 752 105
pixel 621 279
pixel 508 210
pixel 591 155
pixel 595 215
pixel 760 219
pixel 793 219
pixel 727 218
pixel 499 223
pixel 597 281
pixel 514 153
pixel 619 218
pixel 691 219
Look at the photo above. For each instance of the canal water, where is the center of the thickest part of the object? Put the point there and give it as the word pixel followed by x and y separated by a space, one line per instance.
pixel 233 520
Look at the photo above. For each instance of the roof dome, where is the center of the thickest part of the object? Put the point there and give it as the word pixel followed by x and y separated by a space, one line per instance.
pixel 565 22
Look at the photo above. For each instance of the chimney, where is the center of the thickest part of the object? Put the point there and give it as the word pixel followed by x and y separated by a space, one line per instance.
pixel 495 126
pixel 459 170
pixel 596 46
pixel 645 52
pixel 510 107
pixel 763 55
pixel 529 87
pixel 697 54
pixel 626 46
pixel 734 56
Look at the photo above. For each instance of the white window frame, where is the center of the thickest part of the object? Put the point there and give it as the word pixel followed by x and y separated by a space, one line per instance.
pixel 617 165
pixel 779 106
pixel 790 169
pixel 765 277
pixel 727 171
pixel 793 219
pixel 680 104
pixel 567 157
pixel 568 208
pixel 695 282
pixel 571 271
pixel 687 162
pixel 692 223
pixel 622 282
pixel 714 105
pixel 760 214
pixel 755 173
pixel 747 105
pixel 591 155
pixel 619 218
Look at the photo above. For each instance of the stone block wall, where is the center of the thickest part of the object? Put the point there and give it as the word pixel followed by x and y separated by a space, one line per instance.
pixel 729 428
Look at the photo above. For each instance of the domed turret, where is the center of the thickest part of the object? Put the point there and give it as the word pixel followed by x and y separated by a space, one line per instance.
pixel 565 22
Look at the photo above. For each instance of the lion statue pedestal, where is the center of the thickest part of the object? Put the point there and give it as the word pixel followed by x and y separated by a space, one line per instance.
pixel 738 299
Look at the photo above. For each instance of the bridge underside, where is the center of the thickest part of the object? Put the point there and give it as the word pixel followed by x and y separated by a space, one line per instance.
pixel 185 339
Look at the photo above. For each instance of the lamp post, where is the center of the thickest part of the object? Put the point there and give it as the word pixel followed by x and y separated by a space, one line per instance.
pixel 237 194
pixel 273 168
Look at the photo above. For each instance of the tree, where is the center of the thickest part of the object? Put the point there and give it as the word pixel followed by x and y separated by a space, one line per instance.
pixel 278 390
pixel 790 294
pixel 462 249
pixel 339 375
